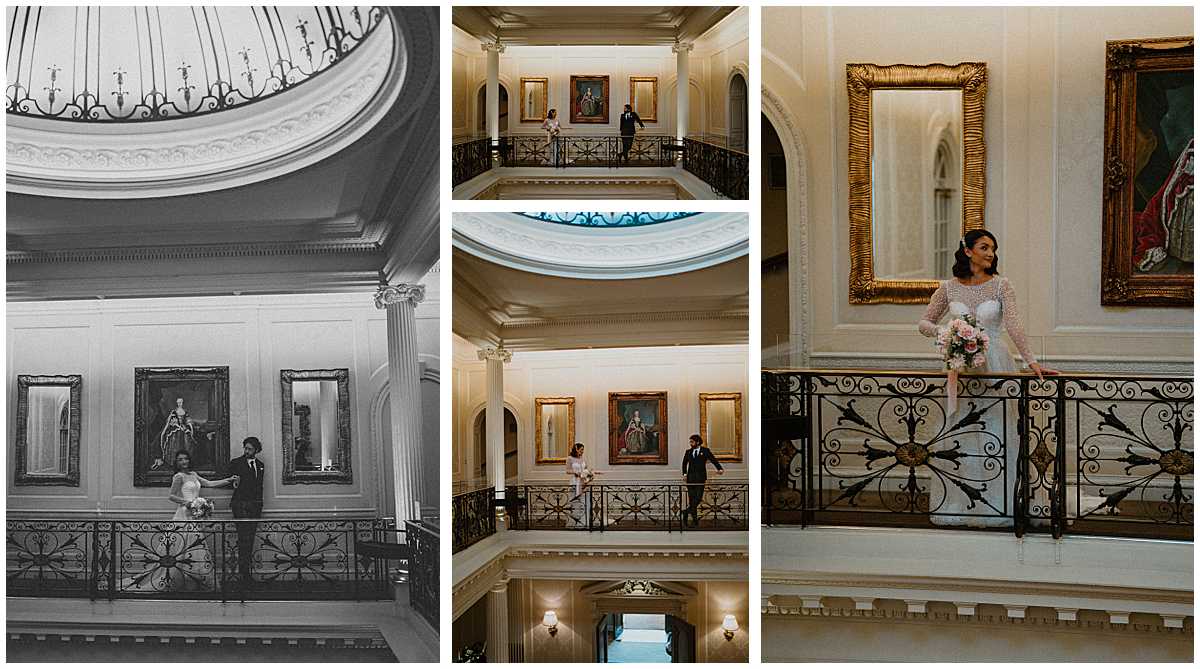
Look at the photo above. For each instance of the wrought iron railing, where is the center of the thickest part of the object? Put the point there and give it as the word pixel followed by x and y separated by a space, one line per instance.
pixel 148 559
pixel 628 506
pixel 423 572
pixel 117 64
pixel 725 170
pixel 585 151
pixel 470 158
pixel 474 517
pixel 1077 453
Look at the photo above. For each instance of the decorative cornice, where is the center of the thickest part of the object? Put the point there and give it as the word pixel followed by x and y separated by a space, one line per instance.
pixel 186 252
pixel 412 293
pixel 627 318
pixel 495 353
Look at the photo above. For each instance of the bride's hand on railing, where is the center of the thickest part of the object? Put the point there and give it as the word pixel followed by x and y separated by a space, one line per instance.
pixel 1043 371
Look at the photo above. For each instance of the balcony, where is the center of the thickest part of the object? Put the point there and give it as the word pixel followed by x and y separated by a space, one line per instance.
pixel 1073 454
pixel 651 163
pixel 293 559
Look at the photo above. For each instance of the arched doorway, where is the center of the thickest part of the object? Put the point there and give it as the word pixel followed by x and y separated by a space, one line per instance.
pixel 510 445
pixel 482 107
pixel 776 320
pixel 739 113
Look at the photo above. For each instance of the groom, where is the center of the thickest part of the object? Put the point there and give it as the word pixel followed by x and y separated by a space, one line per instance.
pixel 247 500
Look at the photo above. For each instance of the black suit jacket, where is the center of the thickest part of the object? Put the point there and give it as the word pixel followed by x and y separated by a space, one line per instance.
pixel 627 121
pixel 250 487
pixel 694 466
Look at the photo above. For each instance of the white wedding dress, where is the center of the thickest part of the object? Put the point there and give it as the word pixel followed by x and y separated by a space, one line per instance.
pixel 982 468
pixel 581 501
pixel 170 556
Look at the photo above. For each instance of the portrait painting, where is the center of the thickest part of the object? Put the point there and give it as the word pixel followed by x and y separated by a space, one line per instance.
pixel 1148 196
pixel 179 409
pixel 589 98
pixel 637 428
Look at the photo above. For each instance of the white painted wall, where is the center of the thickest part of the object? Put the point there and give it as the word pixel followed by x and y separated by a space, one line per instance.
pixel 589 375
pixel 1044 131
pixel 255 337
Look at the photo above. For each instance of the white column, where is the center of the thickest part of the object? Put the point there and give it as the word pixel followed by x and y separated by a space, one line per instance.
pixel 493 50
pixel 404 396
pixel 497 622
pixel 683 88
pixel 495 357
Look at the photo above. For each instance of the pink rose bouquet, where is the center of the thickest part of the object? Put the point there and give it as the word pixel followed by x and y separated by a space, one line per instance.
pixel 963 345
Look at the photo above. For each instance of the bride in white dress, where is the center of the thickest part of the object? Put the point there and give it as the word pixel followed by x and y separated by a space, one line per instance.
pixel 978 290
pixel 581 479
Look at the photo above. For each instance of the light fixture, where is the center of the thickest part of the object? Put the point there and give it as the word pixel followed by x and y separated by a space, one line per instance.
pixel 730 626
pixel 550 620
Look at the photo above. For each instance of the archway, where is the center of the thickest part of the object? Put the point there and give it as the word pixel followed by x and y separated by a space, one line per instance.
pixel 481 106
pixel 739 113
pixel 479 432
pixel 776 295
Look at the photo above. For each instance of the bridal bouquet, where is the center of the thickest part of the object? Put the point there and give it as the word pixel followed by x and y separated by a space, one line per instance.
pixel 200 508
pixel 963 344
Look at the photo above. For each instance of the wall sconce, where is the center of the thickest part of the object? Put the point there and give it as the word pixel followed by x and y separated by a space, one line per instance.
pixel 550 620
pixel 730 626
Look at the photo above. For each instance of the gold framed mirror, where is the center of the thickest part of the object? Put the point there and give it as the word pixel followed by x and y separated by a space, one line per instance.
pixel 48 430
pixel 555 433
pixel 643 97
pixel 917 175
pixel 721 425
pixel 534 93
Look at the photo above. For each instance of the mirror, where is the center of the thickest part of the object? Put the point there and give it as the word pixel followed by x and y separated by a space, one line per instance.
pixel 643 97
pixel 916 139
pixel 534 93
pixel 48 425
pixel 721 425
pixel 916 171
pixel 555 419
pixel 316 426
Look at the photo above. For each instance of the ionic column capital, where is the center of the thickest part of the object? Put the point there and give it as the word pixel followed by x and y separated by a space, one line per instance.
pixel 495 353
pixel 682 47
pixel 492 46
pixel 414 293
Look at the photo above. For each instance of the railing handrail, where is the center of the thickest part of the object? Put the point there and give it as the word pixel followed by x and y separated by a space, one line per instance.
pixel 894 373
pixel 704 139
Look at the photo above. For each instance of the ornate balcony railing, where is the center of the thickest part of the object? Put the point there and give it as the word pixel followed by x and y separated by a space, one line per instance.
pixel 1077 453
pixel 123 64
pixel 423 571
pixel 725 170
pixel 584 151
pixel 474 517
pixel 147 559
pixel 470 157
pixel 628 506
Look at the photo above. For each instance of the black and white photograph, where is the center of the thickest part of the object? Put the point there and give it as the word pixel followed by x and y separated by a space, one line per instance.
pixel 223 342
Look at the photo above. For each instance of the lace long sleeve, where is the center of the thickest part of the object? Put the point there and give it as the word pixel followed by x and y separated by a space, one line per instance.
pixel 1012 321
pixel 176 494
pixel 938 305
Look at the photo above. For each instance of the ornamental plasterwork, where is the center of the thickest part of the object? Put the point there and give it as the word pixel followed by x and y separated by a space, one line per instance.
pixel 578 252
pixel 239 146
pixel 413 293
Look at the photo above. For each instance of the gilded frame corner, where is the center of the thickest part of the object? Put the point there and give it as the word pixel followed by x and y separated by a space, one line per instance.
pixel 545 98
pixel 633 82
pixel 861 79
pixel 540 457
pixel 1119 285
pixel 724 456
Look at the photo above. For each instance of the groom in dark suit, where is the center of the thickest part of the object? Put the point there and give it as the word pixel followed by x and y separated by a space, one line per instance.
pixel 695 471
pixel 247 499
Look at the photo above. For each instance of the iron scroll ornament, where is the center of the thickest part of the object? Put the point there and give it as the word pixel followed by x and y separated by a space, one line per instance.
pixel 608 219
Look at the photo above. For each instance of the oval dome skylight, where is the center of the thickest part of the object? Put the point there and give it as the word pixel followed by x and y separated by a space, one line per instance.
pixel 121 64
pixel 607 219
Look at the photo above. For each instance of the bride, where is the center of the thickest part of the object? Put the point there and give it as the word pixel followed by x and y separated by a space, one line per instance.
pixel 978 290
pixel 581 479
pixel 195 566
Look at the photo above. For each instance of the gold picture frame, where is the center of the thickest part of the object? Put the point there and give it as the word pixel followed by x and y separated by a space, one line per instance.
pixel 652 117
pixel 532 118
pixel 861 80
pixel 540 447
pixel 1128 273
pixel 724 455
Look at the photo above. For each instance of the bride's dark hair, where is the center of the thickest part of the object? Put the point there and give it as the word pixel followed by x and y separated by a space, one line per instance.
pixel 962 264
pixel 575 449
pixel 179 453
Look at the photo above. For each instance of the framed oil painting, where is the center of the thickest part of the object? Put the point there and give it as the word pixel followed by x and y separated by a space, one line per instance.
pixel 179 408
pixel 1148 167
pixel 589 98
pixel 637 428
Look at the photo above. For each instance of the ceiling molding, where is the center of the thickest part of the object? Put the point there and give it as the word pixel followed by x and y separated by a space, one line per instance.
pixel 188 252
pixel 554 26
